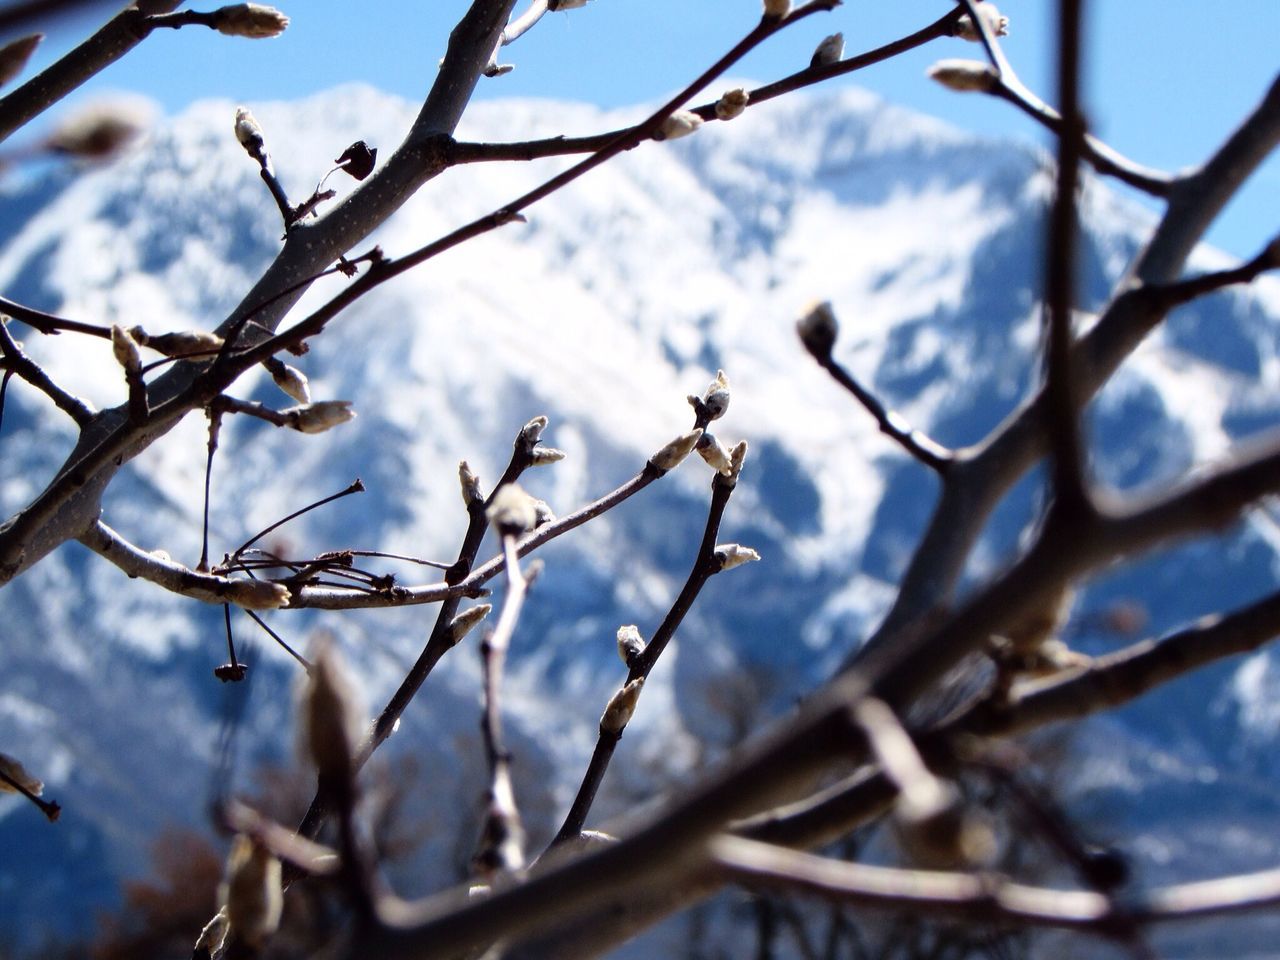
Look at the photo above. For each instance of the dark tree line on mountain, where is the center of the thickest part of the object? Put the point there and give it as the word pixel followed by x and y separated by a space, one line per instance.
pixel 869 747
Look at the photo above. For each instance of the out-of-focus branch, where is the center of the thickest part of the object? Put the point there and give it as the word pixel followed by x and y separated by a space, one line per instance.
pixel 14 362
pixel 988 898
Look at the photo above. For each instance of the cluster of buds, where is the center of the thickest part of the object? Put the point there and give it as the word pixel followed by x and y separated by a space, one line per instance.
pixel 677 125
pixel 732 103
pixel 990 16
pixel 253 20
pixel 965 76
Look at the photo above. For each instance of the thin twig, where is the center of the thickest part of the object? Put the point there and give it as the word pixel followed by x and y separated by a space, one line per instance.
pixel 50 324
pixel 49 808
pixel 17 363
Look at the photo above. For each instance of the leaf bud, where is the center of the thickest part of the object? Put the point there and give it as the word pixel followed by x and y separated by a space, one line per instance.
pixel 470 485
pixel 14 56
pixel 717 457
pixel 732 103
pixel 253 20
pixel 98 132
pixel 257 594
pixel 679 124
pixel 125 349
pixel 829 51
pixel 466 621
pixel 320 416
pixel 542 456
pixel 776 9
pixel 332 716
pixel 531 432
pixel 630 644
pixel 621 706
pixel 184 343
pixel 670 456
pixel 252 894
pixel 249 133
pixel 965 76
pixel 730 555
pixel 818 329
pixel 715 400
pixel 16 772
pixel 291 380
pixel 966 29
pixel 737 456
pixel 544 513
pixel 512 511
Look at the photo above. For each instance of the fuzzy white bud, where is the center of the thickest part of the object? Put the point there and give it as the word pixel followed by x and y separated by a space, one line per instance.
pixel 715 400
pixel 252 894
pixel 715 455
pixel 14 56
pixel 776 9
pixel 630 644
pixel 966 29
pixel 818 329
pixel 332 715
pixel 965 76
pixel 531 432
pixel 257 594
pixel 730 555
pixel 679 124
pixel 737 456
pixel 670 456
pixel 252 20
pixel 620 709
pixel 249 133
pixel 184 343
pixel 512 511
pixel 544 513
pixel 829 51
pixel 292 381
pixel 466 621
pixel 320 416
pixel 470 485
pixel 125 349
pixel 732 103
pixel 16 772
pixel 542 456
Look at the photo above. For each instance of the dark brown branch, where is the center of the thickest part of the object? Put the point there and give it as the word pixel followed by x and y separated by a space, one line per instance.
pixel 25 12
pixel 48 323
pixel 705 566
pixel 1169 295
pixel 49 808
pixel 15 362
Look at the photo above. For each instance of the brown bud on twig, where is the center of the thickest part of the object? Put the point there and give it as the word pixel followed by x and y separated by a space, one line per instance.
pixel 470 485
pixel 14 56
pixel 670 456
pixel 16 772
pixel 319 416
pixel 966 29
pixel 331 714
pixel 621 706
pixel 512 511
pixel 252 894
pixel 252 20
pixel 466 621
pixel 358 159
pixel 679 124
pixel 732 103
pixel 257 594
pixel 630 644
pixel 730 555
pixel 818 329
pixel 829 51
pixel 965 76
pixel 98 132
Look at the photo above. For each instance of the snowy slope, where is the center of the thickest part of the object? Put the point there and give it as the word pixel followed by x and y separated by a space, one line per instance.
pixel 622 294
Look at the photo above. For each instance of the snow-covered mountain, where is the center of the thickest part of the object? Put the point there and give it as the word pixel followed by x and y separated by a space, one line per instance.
pixel 623 293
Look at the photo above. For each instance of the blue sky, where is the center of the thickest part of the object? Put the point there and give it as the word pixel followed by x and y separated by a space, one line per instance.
pixel 1167 80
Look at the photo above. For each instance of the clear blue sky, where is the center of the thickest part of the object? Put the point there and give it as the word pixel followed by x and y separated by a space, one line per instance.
pixel 1167 80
